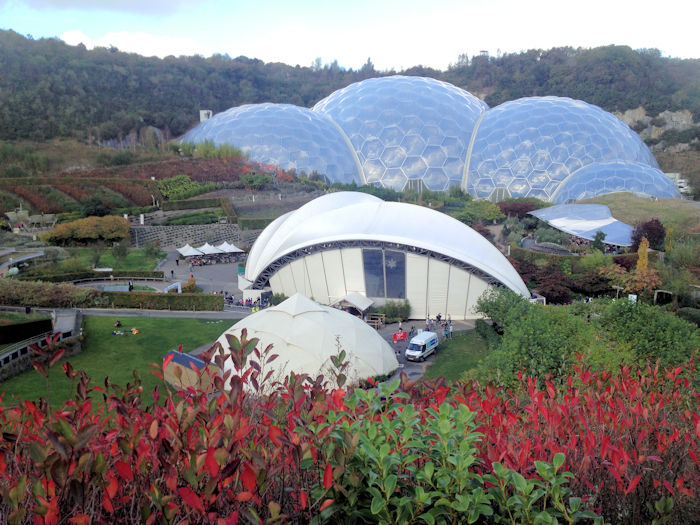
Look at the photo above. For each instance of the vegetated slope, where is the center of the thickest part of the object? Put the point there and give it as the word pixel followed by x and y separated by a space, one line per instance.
pixel 685 162
pixel 684 216
pixel 50 89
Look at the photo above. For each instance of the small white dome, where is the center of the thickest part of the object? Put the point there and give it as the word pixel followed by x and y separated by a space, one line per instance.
pixel 306 334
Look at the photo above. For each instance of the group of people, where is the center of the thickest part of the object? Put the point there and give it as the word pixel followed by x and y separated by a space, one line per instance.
pixel 445 324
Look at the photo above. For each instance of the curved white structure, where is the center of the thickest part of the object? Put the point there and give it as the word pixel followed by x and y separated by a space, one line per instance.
pixel 353 242
pixel 305 334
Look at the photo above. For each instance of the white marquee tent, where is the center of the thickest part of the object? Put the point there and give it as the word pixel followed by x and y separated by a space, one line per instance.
pixel 229 248
pixel 188 251
pixel 306 334
pixel 208 249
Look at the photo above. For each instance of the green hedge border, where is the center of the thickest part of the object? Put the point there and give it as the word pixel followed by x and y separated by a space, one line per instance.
pixel 165 301
pixel 75 276
pixel 522 254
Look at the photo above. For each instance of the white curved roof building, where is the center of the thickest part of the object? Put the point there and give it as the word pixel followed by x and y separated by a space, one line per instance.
pixel 354 243
pixel 305 334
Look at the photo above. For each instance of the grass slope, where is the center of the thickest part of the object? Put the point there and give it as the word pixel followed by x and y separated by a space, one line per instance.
pixel 683 215
pixel 115 356
pixel 135 259
pixel 457 355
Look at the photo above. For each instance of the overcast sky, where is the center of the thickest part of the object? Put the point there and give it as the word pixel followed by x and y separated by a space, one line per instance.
pixel 395 34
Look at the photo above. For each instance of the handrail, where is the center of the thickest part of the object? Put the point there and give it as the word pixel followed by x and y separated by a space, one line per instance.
pixel 21 344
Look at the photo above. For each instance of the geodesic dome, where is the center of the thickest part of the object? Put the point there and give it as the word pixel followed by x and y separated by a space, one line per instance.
pixel 527 147
pixel 599 178
pixel 284 135
pixel 406 128
pixel 411 132
pixel 305 334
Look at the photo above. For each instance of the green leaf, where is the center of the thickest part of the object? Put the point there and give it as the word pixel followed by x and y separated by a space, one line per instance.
pixel 558 460
pixel 390 484
pixel 428 518
pixel 574 504
pixel 377 505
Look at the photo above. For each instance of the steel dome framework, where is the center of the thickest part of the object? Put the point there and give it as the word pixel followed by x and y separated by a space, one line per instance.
pixel 411 132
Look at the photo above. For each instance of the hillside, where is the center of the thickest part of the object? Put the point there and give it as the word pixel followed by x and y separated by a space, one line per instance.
pixel 49 89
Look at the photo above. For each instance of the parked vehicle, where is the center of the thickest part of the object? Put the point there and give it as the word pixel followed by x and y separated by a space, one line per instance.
pixel 421 346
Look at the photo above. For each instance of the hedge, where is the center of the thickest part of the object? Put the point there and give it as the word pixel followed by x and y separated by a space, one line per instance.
pixel 691 315
pixel 253 223
pixel 89 274
pixel 27 293
pixel 165 301
pixel 575 261
pixel 192 204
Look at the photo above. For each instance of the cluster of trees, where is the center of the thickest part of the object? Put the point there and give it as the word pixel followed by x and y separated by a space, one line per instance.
pixel 109 229
pixel 49 89
pixel 544 341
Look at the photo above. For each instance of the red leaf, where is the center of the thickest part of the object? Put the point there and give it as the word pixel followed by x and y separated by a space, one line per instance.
pixel 303 499
pixel 167 359
pixel 191 498
pixel 633 484
pixel 244 496
pixel 80 519
pixel 275 433
pixel 325 504
pixel 58 354
pixel 327 477
pixel 153 430
pixel 211 463
pixel 107 503
pixel 112 488
pixel 124 470
pixel 248 478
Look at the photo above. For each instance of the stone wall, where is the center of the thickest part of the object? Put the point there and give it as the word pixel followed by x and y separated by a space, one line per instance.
pixel 170 237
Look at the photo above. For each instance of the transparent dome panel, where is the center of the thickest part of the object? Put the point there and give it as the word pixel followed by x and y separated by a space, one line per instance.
pixel 283 135
pixel 545 140
pixel 612 177
pixel 425 119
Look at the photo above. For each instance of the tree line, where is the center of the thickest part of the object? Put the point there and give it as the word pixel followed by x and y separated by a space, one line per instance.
pixel 49 89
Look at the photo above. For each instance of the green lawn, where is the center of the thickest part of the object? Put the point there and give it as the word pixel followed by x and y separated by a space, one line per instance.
pixel 135 259
pixel 457 355
pixel 117 356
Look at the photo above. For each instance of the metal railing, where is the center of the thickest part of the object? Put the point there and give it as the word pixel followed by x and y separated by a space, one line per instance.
pixel 10 349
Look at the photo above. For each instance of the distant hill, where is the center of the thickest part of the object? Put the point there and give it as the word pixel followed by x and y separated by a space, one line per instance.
pixel 49 89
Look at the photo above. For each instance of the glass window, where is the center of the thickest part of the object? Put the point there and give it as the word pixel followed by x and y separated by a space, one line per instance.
pixel 395 271
pixel 374 272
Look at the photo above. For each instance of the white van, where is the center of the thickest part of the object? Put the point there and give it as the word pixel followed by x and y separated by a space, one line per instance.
pixel 421 346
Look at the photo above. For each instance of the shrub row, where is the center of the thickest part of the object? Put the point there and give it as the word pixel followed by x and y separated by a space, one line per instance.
pixel 28 293
pixel 89 274
pixel 398 453
pixel 574 262
pixel 165 301
pixel 191 204
pixel 253 223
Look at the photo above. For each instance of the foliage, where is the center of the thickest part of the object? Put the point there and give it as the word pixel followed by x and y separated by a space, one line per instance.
pixel 397 453
pixel 652 230
pixel 598 241
pixel 277 298
pixel 643 255
pixel 197 217
pixel 181 187
pixel 520 206
pixel 692 315
pixel 191 204
pixel 119 251
pixel 165 301
pixel 554 284
pixel 88 230
pixel 27 293
pixel 479 211
pixel 398 310
pixel 651 332
pixel 90 274
pixel 545 233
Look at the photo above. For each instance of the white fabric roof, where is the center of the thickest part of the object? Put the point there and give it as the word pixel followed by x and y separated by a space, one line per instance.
pixel 305 334
pixel 208 249
pixel 585 220
pixel 188 251
pixel 359 301
pixel 229 248
pixel 346 216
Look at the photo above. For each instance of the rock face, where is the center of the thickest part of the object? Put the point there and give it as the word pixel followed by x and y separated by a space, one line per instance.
pixel 653 127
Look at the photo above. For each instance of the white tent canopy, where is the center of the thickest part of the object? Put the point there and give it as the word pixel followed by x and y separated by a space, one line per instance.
pixel 188 251
pixel 229 248
pixel 208 249
pixel 306 334
pixel 358 300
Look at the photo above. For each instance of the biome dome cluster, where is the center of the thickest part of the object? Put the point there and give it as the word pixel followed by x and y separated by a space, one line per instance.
pixel 412 132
